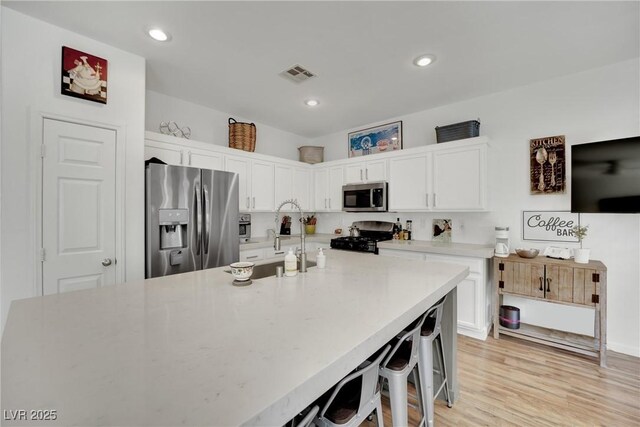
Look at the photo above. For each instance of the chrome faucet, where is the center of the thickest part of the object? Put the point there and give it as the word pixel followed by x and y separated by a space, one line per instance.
pixel 276 242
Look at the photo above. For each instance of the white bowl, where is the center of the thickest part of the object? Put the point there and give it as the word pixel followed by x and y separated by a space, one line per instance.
pixel 527 253
pixel 242 271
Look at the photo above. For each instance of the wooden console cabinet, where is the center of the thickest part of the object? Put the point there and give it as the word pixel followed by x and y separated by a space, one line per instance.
pixel 555 281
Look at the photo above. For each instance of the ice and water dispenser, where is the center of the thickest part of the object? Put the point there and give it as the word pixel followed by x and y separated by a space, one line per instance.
pixel 173 232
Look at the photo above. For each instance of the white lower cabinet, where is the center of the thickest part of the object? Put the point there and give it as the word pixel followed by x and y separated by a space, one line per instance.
pixel 474 292
pixel 252 255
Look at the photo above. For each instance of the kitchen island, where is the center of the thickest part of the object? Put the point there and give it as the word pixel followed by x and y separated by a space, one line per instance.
pixel 192 349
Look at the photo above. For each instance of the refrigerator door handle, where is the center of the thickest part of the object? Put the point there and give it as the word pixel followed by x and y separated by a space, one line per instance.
pixel 198 210
pixel 207 218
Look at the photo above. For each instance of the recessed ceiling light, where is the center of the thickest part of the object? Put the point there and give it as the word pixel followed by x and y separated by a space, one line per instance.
pixel 158 34
pixel 424 60
pixel 311 102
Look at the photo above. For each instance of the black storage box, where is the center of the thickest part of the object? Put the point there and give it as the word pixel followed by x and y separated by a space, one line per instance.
pixel 469 129
pixel 510 316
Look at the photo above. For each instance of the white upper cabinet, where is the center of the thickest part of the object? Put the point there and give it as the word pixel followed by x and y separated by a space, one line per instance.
pixel 242 167
pixel 408 183
pixel 328 188
pixel 459 178
pixel 262 186
pixel 293 183
pixel 365 171
pixel 205 159
pixel 446 177
pixel 302 190
pixel 168 153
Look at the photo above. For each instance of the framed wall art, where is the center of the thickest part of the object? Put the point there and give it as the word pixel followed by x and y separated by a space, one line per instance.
pixel 83 75
pixel 379 139
pixel 547 165
pixel 549 226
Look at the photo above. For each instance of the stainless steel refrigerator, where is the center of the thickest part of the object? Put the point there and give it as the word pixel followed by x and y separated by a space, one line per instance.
pixel 191 219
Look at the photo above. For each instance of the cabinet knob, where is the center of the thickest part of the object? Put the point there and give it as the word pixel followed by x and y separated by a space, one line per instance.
pixel 106 262
pixel 548 285
pixel 541 288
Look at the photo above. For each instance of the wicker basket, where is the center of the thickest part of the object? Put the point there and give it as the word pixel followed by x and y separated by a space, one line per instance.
pixel 469 129
pixel 242 136
pixel 311 154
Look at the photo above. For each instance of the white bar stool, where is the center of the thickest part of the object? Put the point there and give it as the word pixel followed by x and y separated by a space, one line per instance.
pixel 430 333
pixel 402 361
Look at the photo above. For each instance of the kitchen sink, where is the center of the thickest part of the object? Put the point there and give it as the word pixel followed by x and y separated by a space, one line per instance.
pixel 265 270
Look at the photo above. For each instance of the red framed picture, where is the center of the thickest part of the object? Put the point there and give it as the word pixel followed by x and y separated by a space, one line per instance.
pixel 84 75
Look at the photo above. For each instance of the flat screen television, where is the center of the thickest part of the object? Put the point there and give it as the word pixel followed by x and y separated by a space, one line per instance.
pixel 605 176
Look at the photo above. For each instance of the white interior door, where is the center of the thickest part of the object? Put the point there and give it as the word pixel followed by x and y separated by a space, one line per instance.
pixel 78 206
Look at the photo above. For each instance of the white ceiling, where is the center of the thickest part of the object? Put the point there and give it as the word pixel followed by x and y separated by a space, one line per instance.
pixel 227 55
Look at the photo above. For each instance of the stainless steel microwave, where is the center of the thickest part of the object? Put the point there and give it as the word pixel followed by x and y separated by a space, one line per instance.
pixel 370 197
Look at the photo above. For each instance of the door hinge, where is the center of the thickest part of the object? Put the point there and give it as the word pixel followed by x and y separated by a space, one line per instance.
pixel 595 299
pixel 595 277
pixel 43 150
pixel 43 255
pixel 501 266
pixel 501 284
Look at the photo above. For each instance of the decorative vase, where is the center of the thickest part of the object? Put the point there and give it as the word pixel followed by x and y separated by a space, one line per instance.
pixel 581 256
pixel 310 229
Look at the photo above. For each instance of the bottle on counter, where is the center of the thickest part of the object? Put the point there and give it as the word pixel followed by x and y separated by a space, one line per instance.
pixel 407 231
pixel 290 264
pixel 397 227
pixel 321 259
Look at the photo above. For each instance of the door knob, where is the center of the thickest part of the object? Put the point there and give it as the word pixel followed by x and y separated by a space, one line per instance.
pixel 106 262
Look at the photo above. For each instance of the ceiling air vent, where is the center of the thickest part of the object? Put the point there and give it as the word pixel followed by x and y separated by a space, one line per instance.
pixel 297 74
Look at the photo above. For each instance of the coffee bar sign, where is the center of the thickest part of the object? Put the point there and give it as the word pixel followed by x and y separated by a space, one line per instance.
pixel 549 226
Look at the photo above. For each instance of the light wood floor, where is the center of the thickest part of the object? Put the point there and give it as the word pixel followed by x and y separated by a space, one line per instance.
pixel 509 382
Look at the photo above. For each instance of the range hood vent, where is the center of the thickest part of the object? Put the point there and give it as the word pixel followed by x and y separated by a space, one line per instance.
pixel 297 73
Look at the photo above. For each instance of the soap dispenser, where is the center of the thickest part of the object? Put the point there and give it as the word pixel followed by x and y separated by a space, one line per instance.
pixel 321 259
pixel 290 264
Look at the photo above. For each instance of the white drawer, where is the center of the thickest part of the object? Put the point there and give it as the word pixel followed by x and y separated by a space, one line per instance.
pixel 252 255
pixel 476 265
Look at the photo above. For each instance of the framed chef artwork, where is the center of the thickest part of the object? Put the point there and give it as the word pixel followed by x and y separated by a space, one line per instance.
pixel 83 75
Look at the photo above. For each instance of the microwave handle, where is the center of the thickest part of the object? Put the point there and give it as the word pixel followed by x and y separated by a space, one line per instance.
pixel 371 198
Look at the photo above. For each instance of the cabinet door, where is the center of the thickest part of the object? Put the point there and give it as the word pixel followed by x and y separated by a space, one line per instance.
pixel 459 179
pixel 321 180
pixel 170 154
pixel 284 183
pixel 262 186
pixel 302 187
pixel 584 286
pixel 517 277
pixel 408 183
pixel 334 192
pixel 204 159
pixel 354 173
pixel 559 283
pixel 375 171
pixel 468 298
pixel 537 280
pixel 240 166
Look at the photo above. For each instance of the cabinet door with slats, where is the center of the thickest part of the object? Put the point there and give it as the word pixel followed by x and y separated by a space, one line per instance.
pixel 559 283
pixel 537 280
pixel 584 286
pixel 517 278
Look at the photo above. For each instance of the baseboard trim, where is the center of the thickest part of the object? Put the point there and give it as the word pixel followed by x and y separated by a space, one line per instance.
pixel 479 334
pixel 617 347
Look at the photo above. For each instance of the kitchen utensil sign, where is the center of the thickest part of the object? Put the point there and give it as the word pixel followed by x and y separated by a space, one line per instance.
pixel 549 226
pixel 547 165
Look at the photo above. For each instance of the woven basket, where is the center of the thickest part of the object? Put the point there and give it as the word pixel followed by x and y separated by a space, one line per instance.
pixel 311 154
pixel 242 136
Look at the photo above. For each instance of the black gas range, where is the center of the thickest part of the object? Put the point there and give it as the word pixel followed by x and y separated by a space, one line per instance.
pixel 371 232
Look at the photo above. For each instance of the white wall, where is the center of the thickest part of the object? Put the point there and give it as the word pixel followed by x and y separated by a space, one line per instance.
pixel 595 105
pixel 31 55
pixel 208 125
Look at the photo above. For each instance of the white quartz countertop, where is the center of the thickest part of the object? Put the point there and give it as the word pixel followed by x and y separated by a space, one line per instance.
pixel 285 240
pixel 427 246
pixel 192 349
